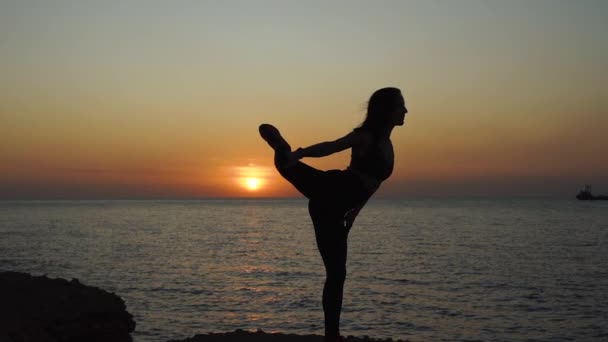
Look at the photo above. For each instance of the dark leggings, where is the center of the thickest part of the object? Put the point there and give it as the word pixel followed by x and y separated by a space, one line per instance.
pixel 331 194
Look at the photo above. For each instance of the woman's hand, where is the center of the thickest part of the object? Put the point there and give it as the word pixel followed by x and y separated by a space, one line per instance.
pixel 349 218
pixel 298 153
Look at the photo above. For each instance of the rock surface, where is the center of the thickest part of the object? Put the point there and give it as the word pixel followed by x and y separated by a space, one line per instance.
pixel 37 308
pixel 260 336
pixel 40 309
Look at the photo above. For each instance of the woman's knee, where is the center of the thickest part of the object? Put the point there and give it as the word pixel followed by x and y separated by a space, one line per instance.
pixel 336 274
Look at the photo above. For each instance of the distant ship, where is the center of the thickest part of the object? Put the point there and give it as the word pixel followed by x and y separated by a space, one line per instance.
pixel 586 195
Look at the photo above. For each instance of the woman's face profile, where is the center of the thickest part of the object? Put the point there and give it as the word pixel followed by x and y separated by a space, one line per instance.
pixel 398 113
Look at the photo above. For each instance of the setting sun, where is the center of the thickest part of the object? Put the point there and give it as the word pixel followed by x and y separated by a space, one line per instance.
pixel 252 177
pixel 252 183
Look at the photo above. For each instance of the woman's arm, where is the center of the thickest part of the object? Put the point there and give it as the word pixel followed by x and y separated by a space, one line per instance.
pixel 330 147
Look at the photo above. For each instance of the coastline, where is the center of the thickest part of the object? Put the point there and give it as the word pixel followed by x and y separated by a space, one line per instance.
pixel 42 309
pixel 261 336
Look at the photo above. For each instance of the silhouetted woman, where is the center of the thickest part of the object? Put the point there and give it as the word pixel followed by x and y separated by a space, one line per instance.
pixel 337 196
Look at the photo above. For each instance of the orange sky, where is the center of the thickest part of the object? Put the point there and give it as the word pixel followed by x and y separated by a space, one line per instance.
pixel 164 102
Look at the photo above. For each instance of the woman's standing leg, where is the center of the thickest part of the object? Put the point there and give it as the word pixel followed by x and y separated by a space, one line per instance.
pixel 332 243
pixel 325 190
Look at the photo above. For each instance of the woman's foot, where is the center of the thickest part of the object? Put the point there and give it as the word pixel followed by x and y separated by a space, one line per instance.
pixel 282 150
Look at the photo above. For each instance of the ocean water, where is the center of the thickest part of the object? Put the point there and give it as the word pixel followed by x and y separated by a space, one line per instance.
pixel 423 270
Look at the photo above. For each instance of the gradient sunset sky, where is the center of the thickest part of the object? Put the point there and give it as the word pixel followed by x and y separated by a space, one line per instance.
pixel 162 99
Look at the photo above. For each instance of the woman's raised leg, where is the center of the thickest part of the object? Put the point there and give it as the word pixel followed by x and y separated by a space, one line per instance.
pixel 306 179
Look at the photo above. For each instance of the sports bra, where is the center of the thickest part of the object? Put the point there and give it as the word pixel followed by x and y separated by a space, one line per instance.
pixel 374 163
